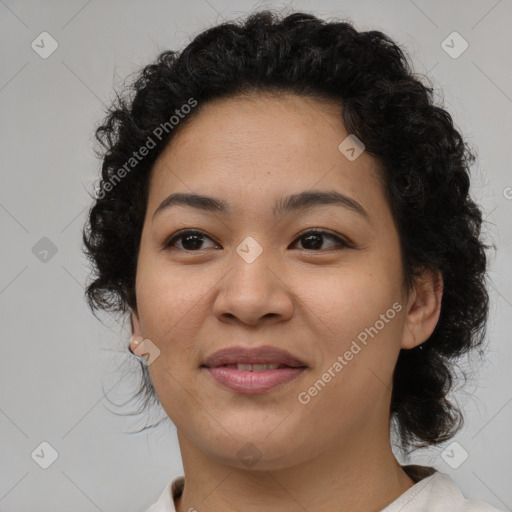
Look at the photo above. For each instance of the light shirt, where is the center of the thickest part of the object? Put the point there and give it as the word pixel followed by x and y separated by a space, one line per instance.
pixel 437 492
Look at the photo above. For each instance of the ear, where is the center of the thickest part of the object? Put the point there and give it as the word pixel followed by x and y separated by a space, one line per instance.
pixel 423 309
pixel 137 336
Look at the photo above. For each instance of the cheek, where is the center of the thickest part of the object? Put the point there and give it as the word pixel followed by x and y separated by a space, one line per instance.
pixel 163 311
pixel 357 316
pixel 345 301
pixel 165 294
pixel 357 332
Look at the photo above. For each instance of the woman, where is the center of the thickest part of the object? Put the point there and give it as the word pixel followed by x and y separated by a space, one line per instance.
pixel 284 215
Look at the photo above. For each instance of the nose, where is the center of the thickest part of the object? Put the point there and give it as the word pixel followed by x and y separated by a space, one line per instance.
pixel 252 293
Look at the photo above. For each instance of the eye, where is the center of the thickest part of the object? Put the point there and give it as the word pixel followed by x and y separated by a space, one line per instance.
pixel 191 240
pixel 313 240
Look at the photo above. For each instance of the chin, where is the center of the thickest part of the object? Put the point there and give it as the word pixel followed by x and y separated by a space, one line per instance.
pixel 257 449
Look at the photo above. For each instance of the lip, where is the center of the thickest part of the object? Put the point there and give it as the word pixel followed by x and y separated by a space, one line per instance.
pixel 251 382
pixel 258 355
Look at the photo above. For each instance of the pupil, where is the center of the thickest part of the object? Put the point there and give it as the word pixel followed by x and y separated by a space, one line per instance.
pixel 196 244
pixel 318 239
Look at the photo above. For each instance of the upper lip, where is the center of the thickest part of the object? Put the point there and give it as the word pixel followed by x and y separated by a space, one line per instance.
pixel 259 355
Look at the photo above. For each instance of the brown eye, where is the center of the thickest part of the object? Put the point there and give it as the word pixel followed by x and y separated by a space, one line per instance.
pixel 314 239
pixel 191 240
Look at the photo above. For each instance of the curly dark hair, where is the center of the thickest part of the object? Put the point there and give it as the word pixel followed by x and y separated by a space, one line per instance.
pixel 425 166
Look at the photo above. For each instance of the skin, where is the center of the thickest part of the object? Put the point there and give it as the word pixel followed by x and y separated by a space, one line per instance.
pixel 333 453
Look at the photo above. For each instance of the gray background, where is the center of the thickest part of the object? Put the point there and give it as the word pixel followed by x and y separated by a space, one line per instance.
pixel 58 361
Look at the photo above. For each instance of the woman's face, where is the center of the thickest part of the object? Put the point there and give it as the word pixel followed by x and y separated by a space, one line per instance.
pixel 258 278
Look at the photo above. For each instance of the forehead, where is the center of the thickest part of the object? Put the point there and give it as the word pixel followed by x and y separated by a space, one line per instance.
pixel 261 122
pixel 259 144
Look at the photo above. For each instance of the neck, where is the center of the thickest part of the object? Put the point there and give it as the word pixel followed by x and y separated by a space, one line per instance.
pixel 351 476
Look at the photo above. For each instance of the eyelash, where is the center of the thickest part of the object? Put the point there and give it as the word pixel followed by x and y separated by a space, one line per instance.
pixel 343 244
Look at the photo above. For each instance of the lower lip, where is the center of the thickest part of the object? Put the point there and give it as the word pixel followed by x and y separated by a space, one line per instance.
pixel 253 382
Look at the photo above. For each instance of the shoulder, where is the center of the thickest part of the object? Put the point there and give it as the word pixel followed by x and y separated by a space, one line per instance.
pixel 446 487
pixel 445 495
pixel 435 492
pixel 166 500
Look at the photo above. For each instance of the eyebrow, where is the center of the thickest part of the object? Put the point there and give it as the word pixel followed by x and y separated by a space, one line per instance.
pixel 301 201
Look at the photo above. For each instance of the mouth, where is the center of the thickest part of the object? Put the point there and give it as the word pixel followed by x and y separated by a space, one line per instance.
pixel 256 367
pixel 253 381
pixel 256 370
pixel 253 359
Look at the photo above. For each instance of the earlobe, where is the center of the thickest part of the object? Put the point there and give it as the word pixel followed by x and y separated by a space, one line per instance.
pixel 423 309
pixel 137 337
